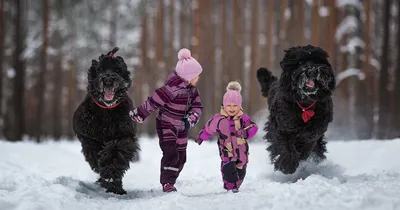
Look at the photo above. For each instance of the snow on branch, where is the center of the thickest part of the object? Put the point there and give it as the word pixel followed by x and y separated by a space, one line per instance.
pixel 356 3
pixel 352 45
pixel 348 73
pixel 348 25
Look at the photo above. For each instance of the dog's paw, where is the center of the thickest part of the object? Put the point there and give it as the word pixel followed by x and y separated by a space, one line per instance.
pixel 118 191
pixel 112 186
pixel 287 163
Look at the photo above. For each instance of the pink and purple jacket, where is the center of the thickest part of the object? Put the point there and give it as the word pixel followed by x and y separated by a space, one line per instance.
pixel 231 148
pixel 175 100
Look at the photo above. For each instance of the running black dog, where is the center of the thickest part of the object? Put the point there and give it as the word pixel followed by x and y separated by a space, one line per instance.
pixel 300 106
pixel 102 124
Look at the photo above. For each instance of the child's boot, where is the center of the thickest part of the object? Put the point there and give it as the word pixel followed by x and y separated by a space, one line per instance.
pixel 169 188
pixel 235 190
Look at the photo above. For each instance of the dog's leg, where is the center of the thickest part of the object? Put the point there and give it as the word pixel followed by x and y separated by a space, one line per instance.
pixel 284 156
pixel 90 150
pixel 319 150
pixel 114 162
pixel 305 149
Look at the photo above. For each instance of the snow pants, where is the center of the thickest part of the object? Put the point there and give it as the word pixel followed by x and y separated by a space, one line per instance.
pixel 173 144
pixel 232 176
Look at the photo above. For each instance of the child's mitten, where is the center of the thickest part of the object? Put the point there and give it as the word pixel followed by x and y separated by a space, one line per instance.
pixel 198 140
pixel 135 116
pixel 190 120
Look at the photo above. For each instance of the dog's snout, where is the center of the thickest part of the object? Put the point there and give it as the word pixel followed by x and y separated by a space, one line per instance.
pixel 313 72
pixel 108 81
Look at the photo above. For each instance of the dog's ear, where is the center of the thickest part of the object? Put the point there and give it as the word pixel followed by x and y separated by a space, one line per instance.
pixel 332 83
pixel 291 59
pixel 92 72
pixel 128 84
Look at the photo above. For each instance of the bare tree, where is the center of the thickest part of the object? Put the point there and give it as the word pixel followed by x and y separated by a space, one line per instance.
pixel 2 38
pixel 254 93
pixel 384 106
pixel 224 45
pixel 315 22
pixel 113 23
pixel 141 75
pixel 41 85
pixel 57 86
pixel 19 79
pixel 396 121
pixel 364 102
pixel 332 25
pixel 269 30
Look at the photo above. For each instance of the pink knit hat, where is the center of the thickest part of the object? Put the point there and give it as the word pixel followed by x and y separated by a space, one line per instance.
pixel 187 67
pixel 232 95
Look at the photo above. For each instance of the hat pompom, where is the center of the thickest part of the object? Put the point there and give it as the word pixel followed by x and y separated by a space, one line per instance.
pixel 184 54
pixel 234 86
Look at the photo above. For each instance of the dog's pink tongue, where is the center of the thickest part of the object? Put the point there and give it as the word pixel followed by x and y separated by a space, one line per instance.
pixel 108 95
pixel 310 83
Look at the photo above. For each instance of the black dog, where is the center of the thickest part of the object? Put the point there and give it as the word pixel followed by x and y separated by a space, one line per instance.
pixel 300 106
pixel 102 124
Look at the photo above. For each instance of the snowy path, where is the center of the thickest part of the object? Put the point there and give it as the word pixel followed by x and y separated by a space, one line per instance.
pixel 359 175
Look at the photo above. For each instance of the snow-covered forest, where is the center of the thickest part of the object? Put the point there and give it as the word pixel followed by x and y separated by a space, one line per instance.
pixel 46 47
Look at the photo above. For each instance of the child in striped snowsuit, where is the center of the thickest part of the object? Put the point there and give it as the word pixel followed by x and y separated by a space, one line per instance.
pixel 234 129
pixel 180 109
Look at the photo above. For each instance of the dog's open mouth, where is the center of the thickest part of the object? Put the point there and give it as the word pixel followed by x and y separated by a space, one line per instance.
pixel 310 83
pixel 108 94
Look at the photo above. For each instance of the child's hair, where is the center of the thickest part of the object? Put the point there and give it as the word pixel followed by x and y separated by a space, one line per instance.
pixel 232 95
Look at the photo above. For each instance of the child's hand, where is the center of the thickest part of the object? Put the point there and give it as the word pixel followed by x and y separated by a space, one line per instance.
pixel 198 140
pixel 135 116
pixel 190 120
pixel 242 133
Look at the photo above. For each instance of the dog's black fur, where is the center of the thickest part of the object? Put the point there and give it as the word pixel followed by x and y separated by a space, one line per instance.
pixel 291 139
pixel 107 134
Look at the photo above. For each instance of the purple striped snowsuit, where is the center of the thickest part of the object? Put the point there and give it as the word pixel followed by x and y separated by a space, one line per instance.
pixel 234 151
pixel 175 100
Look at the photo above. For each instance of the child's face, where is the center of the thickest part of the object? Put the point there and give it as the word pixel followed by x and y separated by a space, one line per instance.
pixel 194 80
pixel 232 109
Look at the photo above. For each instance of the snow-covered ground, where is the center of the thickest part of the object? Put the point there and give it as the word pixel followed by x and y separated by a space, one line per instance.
pixel 52 176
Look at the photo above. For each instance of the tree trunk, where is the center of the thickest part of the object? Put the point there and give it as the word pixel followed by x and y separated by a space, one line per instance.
pixel 159 41
pixel 210 35
pixel 113 23
pixel 72 83
pixel 269 31
pixel 396 120
pixel 364 103
pixel 281 33
pixel 41 85
pixel 315 23
pixel 198 52
pixel 184 37
pixel 57 87
pixel 2 39
pixel 144 67
pixel 332 25
pixel 300 23
pixel 172 52
pixel 196 29
pixel 253 104
pixel 384 106
pixel 19 79
pixel 236 66
pixel 224 48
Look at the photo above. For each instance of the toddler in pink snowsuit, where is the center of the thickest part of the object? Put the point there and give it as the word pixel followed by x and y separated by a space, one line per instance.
pixel 180 108
pixel 234 129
